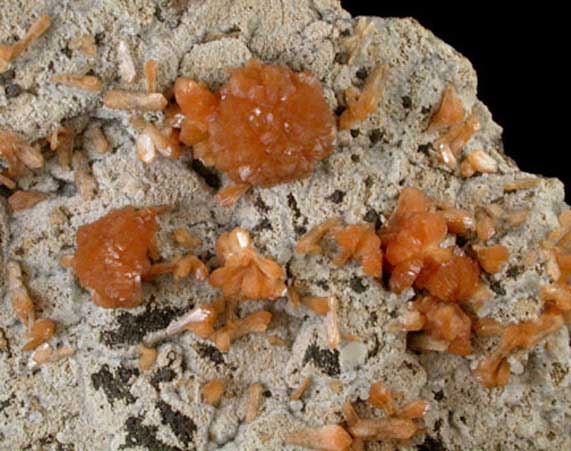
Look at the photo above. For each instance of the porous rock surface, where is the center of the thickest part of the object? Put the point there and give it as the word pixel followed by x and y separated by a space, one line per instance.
pixel 98 399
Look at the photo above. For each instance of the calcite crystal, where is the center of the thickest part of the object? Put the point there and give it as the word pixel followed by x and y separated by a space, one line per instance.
pixel 452 322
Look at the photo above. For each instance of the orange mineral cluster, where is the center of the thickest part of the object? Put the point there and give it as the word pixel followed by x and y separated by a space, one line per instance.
pixel 245 274
pixel 267 125
pixel 112 256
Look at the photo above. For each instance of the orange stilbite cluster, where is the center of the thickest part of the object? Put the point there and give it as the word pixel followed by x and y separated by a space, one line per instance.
pixel 246 275
pixel 10 52
pixel 256 322
pixel 324 438
pixel 400 424
pixel 39 330
pixel 492 258
pixel 212 391
pixel 450 116
pixel 19 155
pixel 413 254
pixel 357 241
pixel 267 125
pixel 22 200
pixel 443 322
pixel 360 105
pixel 112 256
pixel 495 369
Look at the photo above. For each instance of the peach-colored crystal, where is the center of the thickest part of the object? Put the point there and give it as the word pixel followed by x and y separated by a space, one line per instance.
pixel 95 139
pixel 300 390
pixel 254 323
pixel 368 100
pixel 186 239
pixel 360 242
pixel 453 280
pixel 231 194
pixel 384 429
pixel 7 182
pixel 310 243
pixel 482 162
pixel 212 391
pixel 147 357
pixel 112 256
pixel 22 200
pixel 19 296
pixel 199 320
pixel 84 179
pixel 317 304
pixel 150 69
pixel 520 184
pixel 492 258
pixel 245 274
pixel 134 101
pixel 450 112
pixel 253 403
pixel 88 83
pixel 332 323
pixel 485 226
pixel 198 105
pixel 62 142
pixel 459 222
pixel 10 52
pixel 272 125
pixel 458 136
pixel 325 438
pixel 492 370
pixel 18 154
pixel 383 398
pixel 446 322
pixel 414 409
pixel 40 331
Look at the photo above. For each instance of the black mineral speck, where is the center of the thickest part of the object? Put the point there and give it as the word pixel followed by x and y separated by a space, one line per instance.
pixel 355 158
pixel 375 135
pixel 264 224
pixel 132 328
pixel 336 197
pixel 439 395
pixel 425 110
pixel 497 288
pixel 424 148
pixel 181 425
pixel 163 375
pixel 431 444
pixel 115 385
pixel 209 352
pixel 326 360
pixel 514 271
pixel 261 205
pixel 357 285
pixel 267 394
pixel 354 132
pixel 210 176
pixel 342 58
pixel 12 90
pixel 144 436
pixel 373 217
pixel 362 73
pixel 300 230
pixel 406 102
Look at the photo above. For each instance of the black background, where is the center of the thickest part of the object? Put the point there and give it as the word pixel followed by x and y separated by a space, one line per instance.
pixel 520 55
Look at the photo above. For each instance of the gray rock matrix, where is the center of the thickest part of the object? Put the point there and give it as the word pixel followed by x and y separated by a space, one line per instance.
pixel 98 399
